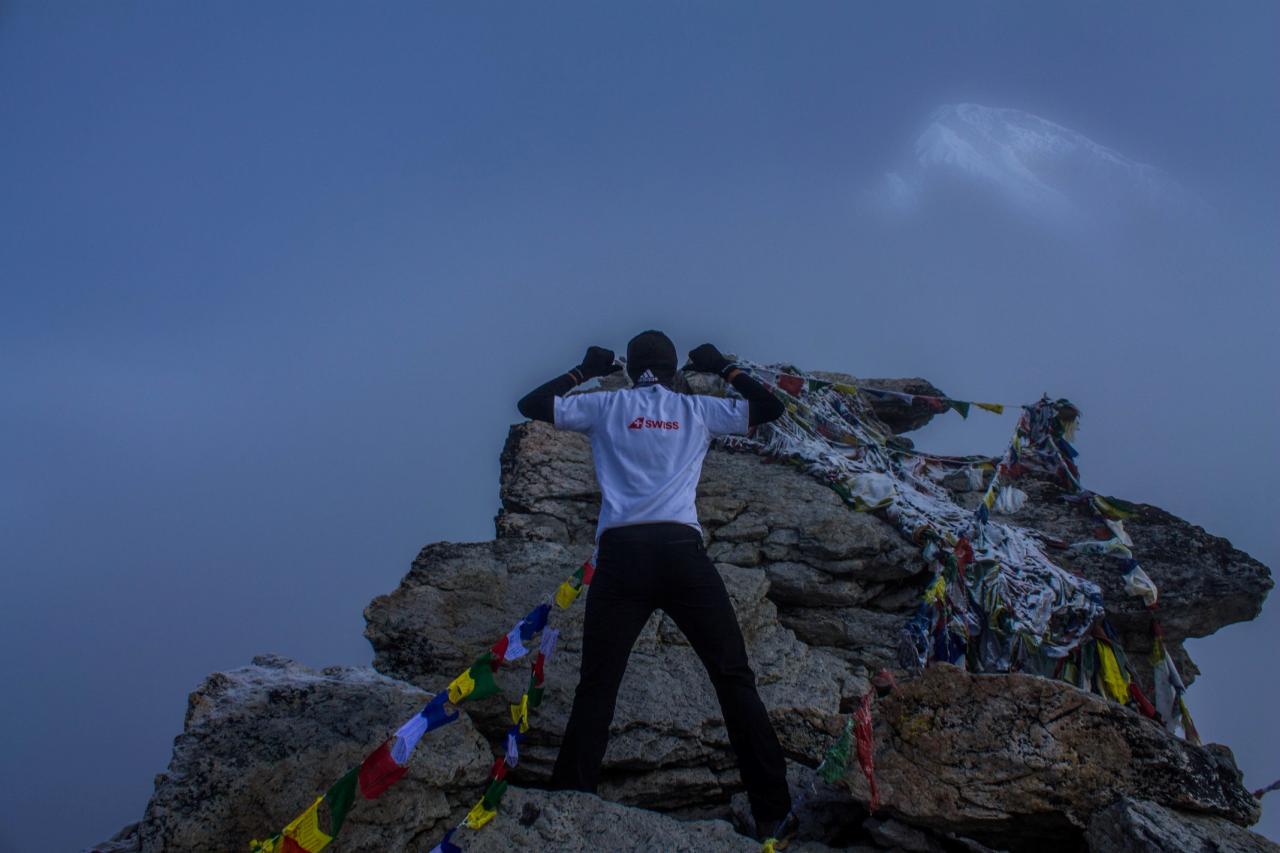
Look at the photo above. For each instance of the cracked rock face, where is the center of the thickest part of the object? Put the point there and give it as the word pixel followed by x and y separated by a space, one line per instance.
pixel 1018 760
pixel 260 743
pixel 668 747
pixel 1140 826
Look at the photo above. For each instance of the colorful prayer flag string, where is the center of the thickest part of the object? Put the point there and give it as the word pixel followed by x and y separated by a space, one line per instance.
pixel 388 764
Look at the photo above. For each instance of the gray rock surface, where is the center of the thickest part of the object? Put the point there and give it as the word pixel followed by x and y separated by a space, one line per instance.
pixel 668 746
pixel 574 822
pixel 260 743
pixel 1015 759
pixel 1140 826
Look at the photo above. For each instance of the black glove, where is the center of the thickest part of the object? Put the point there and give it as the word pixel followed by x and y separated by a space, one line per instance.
pixel 708 359
pixel 597 362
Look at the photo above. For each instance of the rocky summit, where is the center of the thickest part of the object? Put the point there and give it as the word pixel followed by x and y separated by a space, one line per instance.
pixel 963 761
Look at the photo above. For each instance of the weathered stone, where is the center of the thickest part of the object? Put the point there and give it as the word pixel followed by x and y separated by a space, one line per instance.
pixel 260 743
pixel 1016 758
pixel 573 822
pixel 668 747
pixel 1141 826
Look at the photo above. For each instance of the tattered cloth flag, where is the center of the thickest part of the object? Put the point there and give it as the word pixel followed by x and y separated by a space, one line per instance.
pixel 433 716
pixel 866 746
pixel 534 622
pixel 305 830
pixel 340 798
pixel 379 772
pixel 476 683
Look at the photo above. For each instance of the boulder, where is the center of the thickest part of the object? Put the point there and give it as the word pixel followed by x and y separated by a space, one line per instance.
pixel 1141 826
pixel 260 743
pixel 1021 761
pixel 668 746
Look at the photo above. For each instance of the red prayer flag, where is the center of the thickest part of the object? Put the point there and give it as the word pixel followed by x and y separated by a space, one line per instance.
pixel 588 571
pixel 499 648
pixel 379 772
pixel 862 736
pixel 1143 703
pixel 291 846
pixel 538 674
pixel 499 771
pixel 793 385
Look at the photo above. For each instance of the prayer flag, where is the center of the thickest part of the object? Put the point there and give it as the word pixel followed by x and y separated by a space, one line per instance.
pixel 566 594
pixel 588 572
pixel 461 687
pixel 548 646
pixel 407 737
pixel 539 670
pixel 493 794
pixel 535 621
pixel 846 389
pixel 960 406
pixel 436 713
pixel 1136 582
pixel 513 746
pixel 1114 681
pixel 520 713
pixel 499 649
pixel 446 845
pixel 340 798
pixel 267 845
pixel 305 830
pixel 991 407
pixel 379 772
pixel 793 385
pixel 514 648
pixel 535 696
pixel 480 815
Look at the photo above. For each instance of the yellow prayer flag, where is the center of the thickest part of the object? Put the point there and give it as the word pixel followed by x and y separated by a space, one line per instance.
pixel 770 846
pixel 479 815
pixel 846 389
pixel 937 590
pixel 270 845
pixel 460 688
pixel 305 829
pixel 566 594
pixel 990 497
pixel 998 408
pixel 520 713
pixel 1117 685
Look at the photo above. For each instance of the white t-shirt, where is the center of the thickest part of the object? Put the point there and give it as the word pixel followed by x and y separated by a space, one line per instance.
pixel 648 444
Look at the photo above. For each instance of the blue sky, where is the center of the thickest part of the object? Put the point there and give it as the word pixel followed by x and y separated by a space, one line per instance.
pixel 274 277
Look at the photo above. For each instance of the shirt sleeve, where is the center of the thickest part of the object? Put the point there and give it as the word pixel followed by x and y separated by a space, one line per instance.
pixel 724 416
pixel 579 412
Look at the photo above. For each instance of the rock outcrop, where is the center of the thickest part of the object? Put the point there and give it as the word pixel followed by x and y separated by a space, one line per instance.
pixel 1018 760
pixel 964 761
pixel 260 743
pixel 1139 826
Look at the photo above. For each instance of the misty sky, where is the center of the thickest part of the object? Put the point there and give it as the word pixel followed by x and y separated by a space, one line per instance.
pixel 274 275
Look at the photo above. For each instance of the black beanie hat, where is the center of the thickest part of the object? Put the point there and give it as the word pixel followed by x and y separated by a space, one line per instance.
pixel 654 352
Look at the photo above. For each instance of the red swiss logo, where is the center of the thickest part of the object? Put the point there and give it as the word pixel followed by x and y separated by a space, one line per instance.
pixel 645 423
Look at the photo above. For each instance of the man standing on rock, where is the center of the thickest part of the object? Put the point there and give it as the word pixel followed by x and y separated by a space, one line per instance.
pixel 648 443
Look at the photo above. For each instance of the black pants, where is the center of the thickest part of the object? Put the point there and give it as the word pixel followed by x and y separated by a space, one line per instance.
pixel 640 568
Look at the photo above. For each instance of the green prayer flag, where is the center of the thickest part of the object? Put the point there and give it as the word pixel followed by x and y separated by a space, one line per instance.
pixel 960 406
pixel 482 673
pixel 836 761
pixel 535 695
pixel 340 797
pixel 493 794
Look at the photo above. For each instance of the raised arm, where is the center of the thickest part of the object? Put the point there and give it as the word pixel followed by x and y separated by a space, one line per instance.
pixel 762 406
pixel 540 403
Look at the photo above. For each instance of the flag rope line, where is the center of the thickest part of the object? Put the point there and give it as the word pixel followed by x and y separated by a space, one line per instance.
pixel 387 764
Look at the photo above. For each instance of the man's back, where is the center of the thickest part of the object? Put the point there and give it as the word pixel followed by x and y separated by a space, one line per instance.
pixel 648 444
